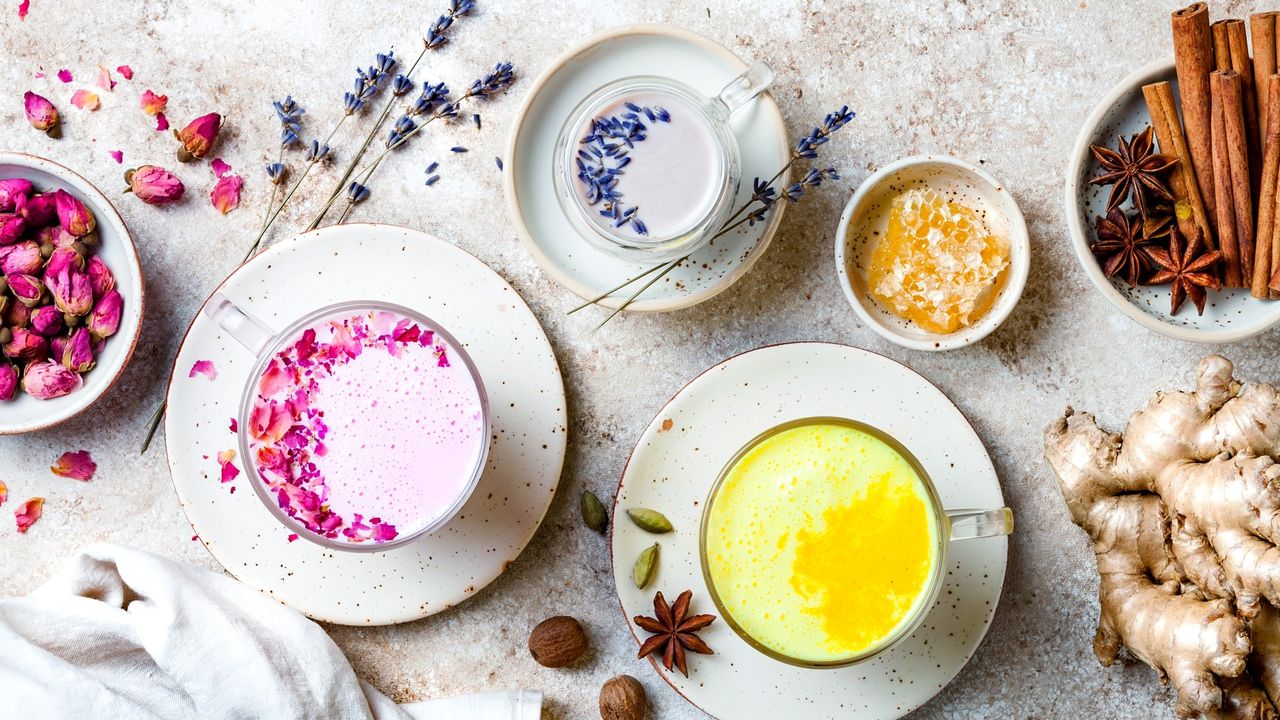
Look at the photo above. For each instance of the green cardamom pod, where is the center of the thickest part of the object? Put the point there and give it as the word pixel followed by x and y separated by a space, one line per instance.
pixel 593 512
pixel 645 566
pixel 650 520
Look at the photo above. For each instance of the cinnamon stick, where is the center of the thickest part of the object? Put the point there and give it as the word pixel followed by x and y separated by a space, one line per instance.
pixel 1231 52
pixel 1194 60
pixel 1268 242
pixel 1262 27
pixel 1231 177
pixel 1188 207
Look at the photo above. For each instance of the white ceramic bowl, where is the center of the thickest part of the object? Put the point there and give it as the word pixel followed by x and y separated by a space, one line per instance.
pixel 867 215
pixel 25 413
pixel 1230 315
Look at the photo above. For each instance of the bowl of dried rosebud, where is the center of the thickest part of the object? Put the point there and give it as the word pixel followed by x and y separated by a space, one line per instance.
pixel 71 294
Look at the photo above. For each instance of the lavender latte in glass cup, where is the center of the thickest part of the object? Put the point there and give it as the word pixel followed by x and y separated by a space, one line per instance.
pixel 647 167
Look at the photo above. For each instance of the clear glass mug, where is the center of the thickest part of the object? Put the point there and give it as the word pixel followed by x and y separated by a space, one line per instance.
pixel 264 343
pixel 960 524
pixel 715 112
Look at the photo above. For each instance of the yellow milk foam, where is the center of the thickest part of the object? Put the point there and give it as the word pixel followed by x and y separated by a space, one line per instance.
pixel 820 542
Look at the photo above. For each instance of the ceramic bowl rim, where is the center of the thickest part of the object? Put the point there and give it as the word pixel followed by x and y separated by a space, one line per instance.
pixel 1020 258
pixel 103 210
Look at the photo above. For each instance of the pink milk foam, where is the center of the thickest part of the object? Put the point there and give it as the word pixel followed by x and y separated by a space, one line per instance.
pixel 675 173
pixel 384 427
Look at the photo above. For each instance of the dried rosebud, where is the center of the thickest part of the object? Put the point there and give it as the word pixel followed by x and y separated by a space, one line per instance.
pixel 72 214
pixel 11 227
pixel 26 288
pixel 46 321
pixel 154 185
pixel 54 236
pixel 10 189
pixel 77 356
pixel 71 291
pixel 49 379
pixel 104 321
pixel 41 113
pixel 25 345
pixel 21 259
pixel 8 381
pixel 198 137
pixel 58 346
pixel 17 315
pixel 100 277
pixel 38 210
pixel 61 259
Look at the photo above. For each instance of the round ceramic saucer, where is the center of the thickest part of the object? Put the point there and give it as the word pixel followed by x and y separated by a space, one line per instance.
pixel 613 54
pixel 526 398
pixel 682 452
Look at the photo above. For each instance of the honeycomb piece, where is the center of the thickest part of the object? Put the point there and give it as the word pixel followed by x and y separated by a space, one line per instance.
pixel 937 264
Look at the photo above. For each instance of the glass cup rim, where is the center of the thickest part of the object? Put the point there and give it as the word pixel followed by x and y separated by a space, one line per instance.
pixel 924 605
pixel 278 340
pixel 565 176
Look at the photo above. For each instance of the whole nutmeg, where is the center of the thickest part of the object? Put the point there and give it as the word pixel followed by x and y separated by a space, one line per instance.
pixel 622 698
pixel 558 642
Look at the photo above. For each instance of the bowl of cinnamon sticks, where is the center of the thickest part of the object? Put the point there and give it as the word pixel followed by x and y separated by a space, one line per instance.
pixel 1173 189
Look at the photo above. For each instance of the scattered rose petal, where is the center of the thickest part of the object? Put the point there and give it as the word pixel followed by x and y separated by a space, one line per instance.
pixel 75 465
pixel 205 368
pixel 153 104
pixel 235 426
pixel 226 194
pixel 23 8
pixel 293 536
pixel 125 71
pixel 39 75
pixel 117 155
pixel 4 492
pixel 227 460
pixel 104 79
pixel 28 513
pixel 65 75
pixel 85 100
pixel 219 167
pixel 162 122
pixel 195 538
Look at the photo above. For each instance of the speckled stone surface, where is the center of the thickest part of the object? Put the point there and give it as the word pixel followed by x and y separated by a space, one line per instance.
pixel 1001 83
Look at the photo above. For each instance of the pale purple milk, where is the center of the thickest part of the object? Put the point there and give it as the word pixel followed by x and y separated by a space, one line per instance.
pixel 675 173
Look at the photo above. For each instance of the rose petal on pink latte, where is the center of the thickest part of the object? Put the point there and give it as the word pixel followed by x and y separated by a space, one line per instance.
pixel 270 421
pixel 85 100
pixel 28 513
pixel 205 368
pixel 274 379
pixel 75 465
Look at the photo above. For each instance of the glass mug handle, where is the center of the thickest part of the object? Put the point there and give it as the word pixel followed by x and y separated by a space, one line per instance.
pixel 745 87
pixel 968 524
pixel 246 329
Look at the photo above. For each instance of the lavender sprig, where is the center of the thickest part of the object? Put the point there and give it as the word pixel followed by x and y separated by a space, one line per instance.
pixel 763 197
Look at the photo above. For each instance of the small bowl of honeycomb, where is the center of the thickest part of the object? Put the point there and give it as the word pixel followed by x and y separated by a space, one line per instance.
pixel 932 253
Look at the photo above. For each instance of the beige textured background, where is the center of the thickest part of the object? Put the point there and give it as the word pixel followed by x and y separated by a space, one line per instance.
pixel 1001 83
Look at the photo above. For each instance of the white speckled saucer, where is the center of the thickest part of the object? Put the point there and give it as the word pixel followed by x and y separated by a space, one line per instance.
pixel 678 459
pixel 527 403
pixel 608 56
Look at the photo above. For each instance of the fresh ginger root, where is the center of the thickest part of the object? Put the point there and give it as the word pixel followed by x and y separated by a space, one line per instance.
pixel 1183 510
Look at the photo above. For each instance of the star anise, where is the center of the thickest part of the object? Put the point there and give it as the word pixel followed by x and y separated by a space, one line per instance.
pixel 1190 271
pixel 1122 246
pixel 1133 171
pixel 674 633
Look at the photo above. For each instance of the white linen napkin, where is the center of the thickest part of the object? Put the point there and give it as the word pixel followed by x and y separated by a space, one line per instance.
pixel 123 633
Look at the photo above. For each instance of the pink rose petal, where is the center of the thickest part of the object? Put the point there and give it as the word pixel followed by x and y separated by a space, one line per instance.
pixel 104 79
pixel 162 122
pixel 235 426
pixel 227 460
pixel 219 167
pixel 117 155
pixel 153 104
pixel 226 194
pixel 4 492
pixel 28 513
pixel 23 8
pixel 39 75
pixel 65 75
pixel 75 465
pixel 125 71
pixel 293 536
pixel 205 368
pixel 85 99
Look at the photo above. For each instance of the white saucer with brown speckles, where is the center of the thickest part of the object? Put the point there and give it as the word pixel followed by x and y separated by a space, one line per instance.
pixel 682 452
pixel 526 397
pixel 608 56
